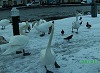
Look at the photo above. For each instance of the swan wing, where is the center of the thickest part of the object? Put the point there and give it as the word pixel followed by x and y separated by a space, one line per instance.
pixel 75 25
pixel 12 49
pixel 22 24
pixel 4 22
pixel 44 27
pixel 18 40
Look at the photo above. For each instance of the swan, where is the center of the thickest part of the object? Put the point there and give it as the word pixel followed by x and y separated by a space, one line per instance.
pixel 76 24
pixel 24 26
pixel 15 43
pixel 44 27
pixel 47 55
pixel 38 22
pixel 41 21
pixel 4 22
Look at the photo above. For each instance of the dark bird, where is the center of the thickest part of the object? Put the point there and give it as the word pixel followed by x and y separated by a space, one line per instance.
pixel 80 18
pixel 88 25
pixel 25 54
pixel 62 32
pixel 68 38
pixel 18 52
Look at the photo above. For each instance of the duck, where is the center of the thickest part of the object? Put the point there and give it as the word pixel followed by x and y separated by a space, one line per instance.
pixel 68 38
pixel 62 32
pixel 47 56
pixel 24 26
pixel 15 43
pixel 88 25
pixel 76 24
pixel 4 22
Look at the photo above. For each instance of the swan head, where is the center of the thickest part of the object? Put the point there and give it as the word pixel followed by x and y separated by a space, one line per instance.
pixel 28 26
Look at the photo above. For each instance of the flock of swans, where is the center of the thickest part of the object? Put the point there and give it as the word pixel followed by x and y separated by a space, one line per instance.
pixel 18 42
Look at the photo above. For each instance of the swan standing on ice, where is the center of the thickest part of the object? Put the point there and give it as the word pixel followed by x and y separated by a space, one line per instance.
pixel 38 22
pixel 48 56
pixel 76 24
pixel 24 26
pixel 4 22
pixel 43 28
pixel 16 42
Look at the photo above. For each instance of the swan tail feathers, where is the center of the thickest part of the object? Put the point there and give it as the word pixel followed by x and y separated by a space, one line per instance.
pixel 10 50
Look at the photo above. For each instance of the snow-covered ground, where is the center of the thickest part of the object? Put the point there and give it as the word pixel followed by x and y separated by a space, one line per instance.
pixel 80 55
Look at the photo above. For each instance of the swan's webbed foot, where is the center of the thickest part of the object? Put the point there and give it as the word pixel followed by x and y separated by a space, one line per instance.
pixel 56 65
pixel 2 28
pixel 77 32
pixel 26 54
pixel 47 71
pixel 18 52
pixel 43 34
pixel 72 31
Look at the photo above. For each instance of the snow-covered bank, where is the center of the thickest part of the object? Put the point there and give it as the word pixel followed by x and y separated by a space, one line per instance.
pixel 72 56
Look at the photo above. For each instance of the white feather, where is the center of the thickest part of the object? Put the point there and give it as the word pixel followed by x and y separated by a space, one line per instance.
pixel 47 55
pixel 23 27
pixel 44 27
pixel 4 22
pixel 15 43
pixel 76 24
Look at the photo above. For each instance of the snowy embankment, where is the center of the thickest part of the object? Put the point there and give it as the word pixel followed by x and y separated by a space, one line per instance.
pixel 80 55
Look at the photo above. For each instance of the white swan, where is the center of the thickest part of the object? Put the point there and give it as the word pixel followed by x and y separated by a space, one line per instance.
pixel 48 56
pixel 15 43
pixel 42 21
pixel 76 24
pixel 24 26
pixel 44 27
pixel 38 22
pixel 4 22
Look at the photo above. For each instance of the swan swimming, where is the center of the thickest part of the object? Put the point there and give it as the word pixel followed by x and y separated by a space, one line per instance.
pixel 16 42
pixel 48 56
pixel 4 22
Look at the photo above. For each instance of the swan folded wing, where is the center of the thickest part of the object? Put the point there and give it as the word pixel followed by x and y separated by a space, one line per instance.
pixel 75 25
pixel 12 49
pixel 4 22
pixel 18 40
pixel 22 24
pixel 44 27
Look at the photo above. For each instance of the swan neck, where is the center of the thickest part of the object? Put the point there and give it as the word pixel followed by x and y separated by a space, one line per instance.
pixel 51 36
